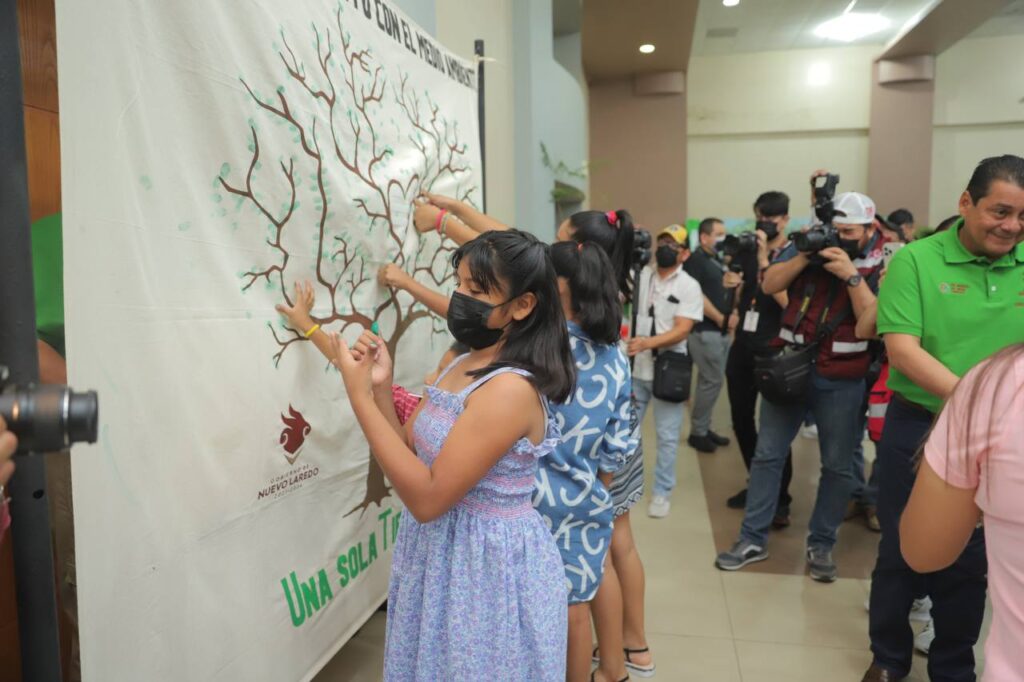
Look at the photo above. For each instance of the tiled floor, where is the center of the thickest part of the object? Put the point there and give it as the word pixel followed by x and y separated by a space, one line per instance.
pixel 765 625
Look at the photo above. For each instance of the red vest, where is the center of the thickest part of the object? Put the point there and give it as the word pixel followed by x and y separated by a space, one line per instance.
pixel 878 404
pixel 841 355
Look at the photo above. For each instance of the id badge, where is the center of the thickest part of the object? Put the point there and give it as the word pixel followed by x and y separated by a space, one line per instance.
pixel 750 321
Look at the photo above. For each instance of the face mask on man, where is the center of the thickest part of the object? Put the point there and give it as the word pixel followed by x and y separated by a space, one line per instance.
pixel 770 229
pixel 666 256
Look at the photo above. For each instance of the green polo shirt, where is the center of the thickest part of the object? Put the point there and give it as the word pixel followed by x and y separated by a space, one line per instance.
pixel 963 307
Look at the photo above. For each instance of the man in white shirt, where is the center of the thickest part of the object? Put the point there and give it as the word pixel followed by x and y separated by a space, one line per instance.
pixel 671 302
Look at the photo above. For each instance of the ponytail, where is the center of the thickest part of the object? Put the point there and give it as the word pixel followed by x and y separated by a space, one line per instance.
pixel 613 231
pixel 595 305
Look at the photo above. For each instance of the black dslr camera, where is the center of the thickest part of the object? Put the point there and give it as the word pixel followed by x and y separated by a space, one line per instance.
pixel 641 247
pixel 48 418
pixel 739 244
pixel 825 235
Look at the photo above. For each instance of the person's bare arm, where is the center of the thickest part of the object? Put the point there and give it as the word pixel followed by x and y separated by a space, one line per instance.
pixel 393 276
pixel 712 313
pixel 464 224
pixel 779 276
pixel 937 522
pixel 907 355
pixel 867 323
pixel 681 329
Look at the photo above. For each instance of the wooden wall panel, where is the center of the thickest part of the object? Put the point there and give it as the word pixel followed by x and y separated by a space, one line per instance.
pixel 38 30
pixel 42 146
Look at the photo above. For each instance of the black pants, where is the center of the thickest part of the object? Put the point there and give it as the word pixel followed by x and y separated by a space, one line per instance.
pixel 739 376
pixel 957 593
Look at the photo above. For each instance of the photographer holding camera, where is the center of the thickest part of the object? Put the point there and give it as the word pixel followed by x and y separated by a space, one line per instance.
pixel 829 273
pixel 760 320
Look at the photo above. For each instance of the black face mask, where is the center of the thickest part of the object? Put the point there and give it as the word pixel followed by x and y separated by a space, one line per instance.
pixel 666 256
pixel 770 229
pixel 851 247
pixel 467 321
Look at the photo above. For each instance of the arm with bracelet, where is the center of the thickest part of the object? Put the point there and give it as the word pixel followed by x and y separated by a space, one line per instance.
pixel 452 218
pixel 299 316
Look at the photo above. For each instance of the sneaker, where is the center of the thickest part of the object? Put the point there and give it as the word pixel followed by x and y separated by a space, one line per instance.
pixel 702 443
pixel 810 432
pixel 821 565
pixel 921 611
pixel 658 509
pixel 737 501
pixel 742 554
pixel 720 441
pixel 923 642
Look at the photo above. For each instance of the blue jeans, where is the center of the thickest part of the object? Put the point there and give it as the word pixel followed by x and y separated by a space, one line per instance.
pixel 836 406
pixel 668 423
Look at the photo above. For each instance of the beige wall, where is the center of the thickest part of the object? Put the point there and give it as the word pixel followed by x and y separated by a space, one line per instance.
pixel 459 23
pixel 638 153
pixel 765 121
pixel 900 147
pixel 781 91
pixel 978 86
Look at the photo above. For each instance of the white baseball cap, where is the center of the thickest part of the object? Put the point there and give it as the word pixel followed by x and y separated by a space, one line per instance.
pixel 854 208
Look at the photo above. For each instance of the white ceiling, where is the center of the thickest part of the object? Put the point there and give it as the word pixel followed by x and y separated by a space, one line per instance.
pixel 765 25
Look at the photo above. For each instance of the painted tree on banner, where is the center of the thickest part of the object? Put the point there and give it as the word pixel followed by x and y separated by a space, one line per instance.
pixel 337 113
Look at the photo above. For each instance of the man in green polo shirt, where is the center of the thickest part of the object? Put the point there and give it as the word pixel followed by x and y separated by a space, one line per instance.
pixel 947 302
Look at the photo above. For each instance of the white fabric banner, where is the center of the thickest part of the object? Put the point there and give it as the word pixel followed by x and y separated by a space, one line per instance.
pixel 230 523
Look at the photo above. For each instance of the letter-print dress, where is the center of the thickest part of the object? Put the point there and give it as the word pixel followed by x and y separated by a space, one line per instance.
pixel 596 437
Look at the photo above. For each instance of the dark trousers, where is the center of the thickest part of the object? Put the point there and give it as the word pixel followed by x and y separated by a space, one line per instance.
pixel 957 593
pixel 739 376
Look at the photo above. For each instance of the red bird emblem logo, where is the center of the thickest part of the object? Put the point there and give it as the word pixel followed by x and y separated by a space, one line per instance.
pixel 294 434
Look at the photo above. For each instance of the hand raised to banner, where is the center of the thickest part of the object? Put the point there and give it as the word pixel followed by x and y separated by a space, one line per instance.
pixel 441 201
pixel 425 216
pixel 370 344
pixel 299 313
pixel 357 373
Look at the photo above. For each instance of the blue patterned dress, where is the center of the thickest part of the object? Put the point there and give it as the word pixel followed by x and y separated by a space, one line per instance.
pixel 596 436
pixel 478 593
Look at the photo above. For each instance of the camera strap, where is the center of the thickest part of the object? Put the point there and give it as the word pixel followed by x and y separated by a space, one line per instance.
pixel 823 330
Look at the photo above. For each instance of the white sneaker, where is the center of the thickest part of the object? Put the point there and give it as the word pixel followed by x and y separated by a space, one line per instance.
pixel 810 432
pixel 923 642
pixel 658 509
pixel 921 611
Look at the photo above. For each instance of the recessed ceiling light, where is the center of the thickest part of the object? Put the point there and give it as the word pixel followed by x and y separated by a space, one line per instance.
pixel 730 3
pixel 851 26
pixel 647 48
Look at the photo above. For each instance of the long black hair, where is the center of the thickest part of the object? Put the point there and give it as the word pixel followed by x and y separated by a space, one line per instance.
pixel 613 232
pixel 595 299
pixel 515 263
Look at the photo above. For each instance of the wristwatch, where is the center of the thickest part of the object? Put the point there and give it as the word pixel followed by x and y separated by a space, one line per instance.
pixel 855 280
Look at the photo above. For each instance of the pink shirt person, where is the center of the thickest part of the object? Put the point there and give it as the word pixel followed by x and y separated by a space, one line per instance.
pixel 978 445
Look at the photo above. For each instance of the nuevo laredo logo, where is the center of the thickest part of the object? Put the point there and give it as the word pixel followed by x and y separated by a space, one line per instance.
pixel 294 435
pixel 292 438
pixel 952 288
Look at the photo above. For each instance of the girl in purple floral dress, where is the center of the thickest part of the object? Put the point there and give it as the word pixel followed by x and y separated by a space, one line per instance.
pixel 477 585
